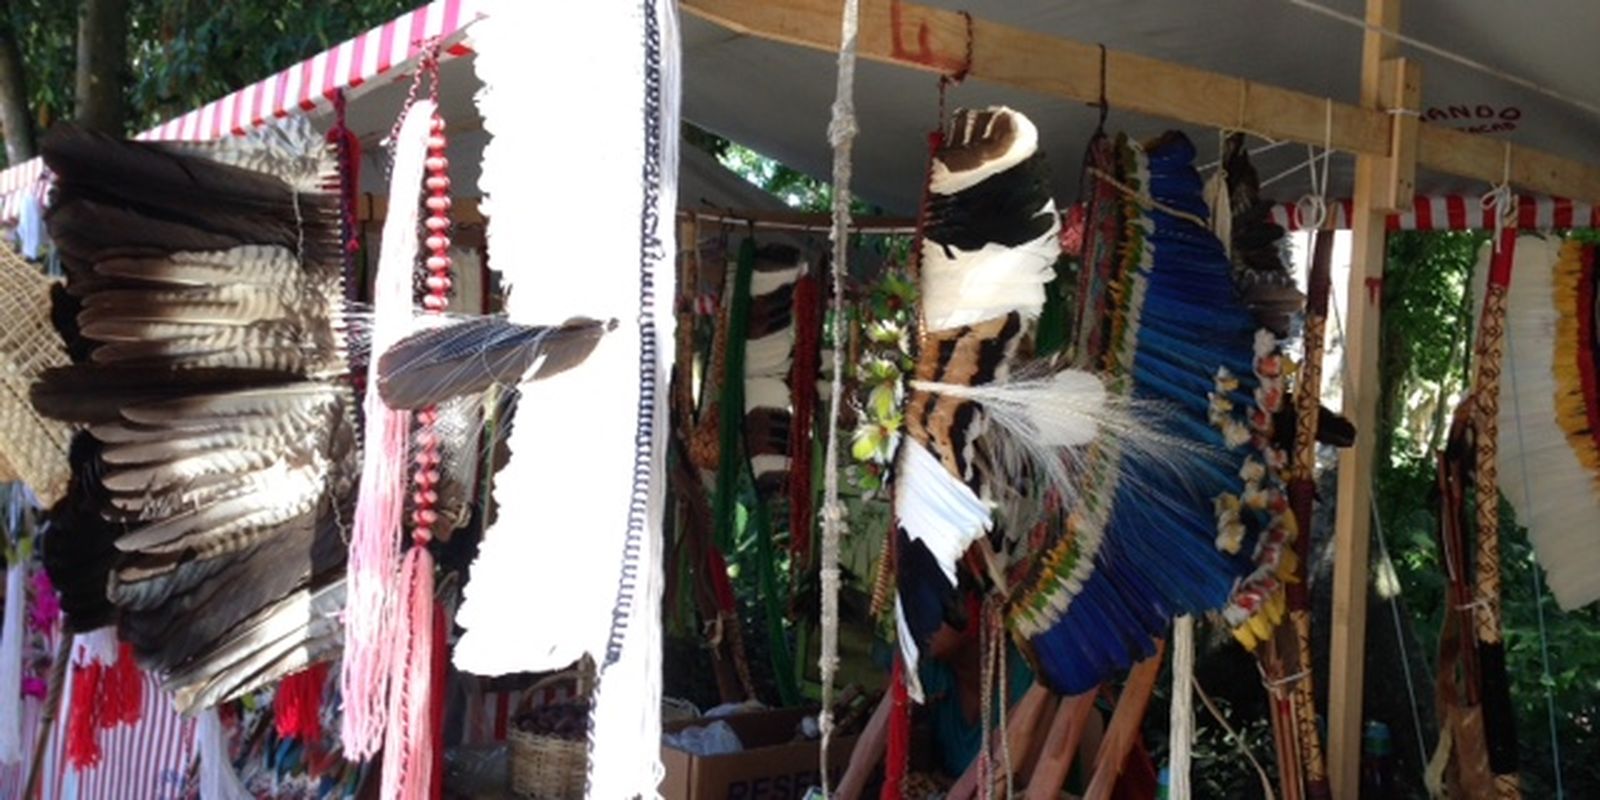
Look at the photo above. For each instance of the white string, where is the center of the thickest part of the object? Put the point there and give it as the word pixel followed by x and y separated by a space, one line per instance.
pixel 1383 550
pixel 1313 208
pixel 1500 198
pixel 1271 144
pixel 1181 727
pixel 1399 636
pixel 1538 582
pixel 1311 161
pixel 841 135
pixel 1448 55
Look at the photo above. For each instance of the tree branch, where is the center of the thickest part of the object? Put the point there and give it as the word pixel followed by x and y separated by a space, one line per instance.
pixel 14 117
pixel 102 64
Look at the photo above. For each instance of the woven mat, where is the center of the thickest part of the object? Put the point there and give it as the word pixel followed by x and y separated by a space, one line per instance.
pixel 33 449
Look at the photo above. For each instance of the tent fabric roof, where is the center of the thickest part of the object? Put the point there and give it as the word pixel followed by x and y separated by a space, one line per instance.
pixel 775 97
pixel 363 64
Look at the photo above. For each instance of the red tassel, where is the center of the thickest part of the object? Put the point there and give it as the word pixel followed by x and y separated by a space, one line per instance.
pixel 121 691
pixel 297 707
pixel 803 383
pixel 83 743
pixel 899 746
pixel 408 760
pixel 441 663
pixel 347 145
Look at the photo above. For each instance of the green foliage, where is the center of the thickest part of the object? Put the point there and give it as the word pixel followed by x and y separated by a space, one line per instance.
pixel 1427 322
pixel 793 187
pixel 184 53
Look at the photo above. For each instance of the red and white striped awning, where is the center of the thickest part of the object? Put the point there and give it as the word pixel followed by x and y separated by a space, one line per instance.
pixel 1457 213
pixel 361 63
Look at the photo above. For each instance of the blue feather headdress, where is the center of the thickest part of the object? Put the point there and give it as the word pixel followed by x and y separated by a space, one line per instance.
pixel 1157 455
pixel 1153 534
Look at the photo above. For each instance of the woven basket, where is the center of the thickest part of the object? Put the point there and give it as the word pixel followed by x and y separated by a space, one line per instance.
pixel 549 767
pixel 33 449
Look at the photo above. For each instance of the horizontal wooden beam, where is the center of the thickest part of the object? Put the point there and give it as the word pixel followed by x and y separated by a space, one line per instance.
pixel 937 41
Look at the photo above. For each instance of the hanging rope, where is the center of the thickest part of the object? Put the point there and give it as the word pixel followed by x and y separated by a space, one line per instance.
pixel 1181 726
pixel 1399 637
pixel 1313 207
pixel 1500 198
pixel 841 135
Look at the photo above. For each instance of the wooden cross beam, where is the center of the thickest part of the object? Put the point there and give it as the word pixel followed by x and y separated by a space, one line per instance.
pixel 934 40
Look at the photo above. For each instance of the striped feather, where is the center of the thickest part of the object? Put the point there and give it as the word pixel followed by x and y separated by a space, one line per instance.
pixel 468 357
pixel 204 309
pixel 990 246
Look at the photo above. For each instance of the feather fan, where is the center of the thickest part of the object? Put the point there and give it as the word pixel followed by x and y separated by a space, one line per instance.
pixel 212 352
pixel 203 308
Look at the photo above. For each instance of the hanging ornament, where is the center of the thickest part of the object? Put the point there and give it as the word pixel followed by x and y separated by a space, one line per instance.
pixel 409 764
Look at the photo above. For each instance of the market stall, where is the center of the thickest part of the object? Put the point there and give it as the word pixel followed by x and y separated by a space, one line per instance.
pixel 439 401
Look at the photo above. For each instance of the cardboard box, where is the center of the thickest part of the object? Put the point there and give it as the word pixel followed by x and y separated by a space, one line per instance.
pixel 772 766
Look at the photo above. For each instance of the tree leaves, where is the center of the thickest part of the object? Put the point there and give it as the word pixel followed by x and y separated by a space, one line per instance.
pixel 185 53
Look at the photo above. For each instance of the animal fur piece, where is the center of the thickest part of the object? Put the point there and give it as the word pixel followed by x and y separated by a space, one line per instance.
pixel 768 355
pixel 990 247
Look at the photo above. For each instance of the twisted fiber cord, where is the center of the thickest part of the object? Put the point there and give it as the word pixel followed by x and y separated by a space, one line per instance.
pixel 841 134
pixel 1181 724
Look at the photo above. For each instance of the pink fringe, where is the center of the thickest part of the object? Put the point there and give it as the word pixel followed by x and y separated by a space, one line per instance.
pixel 375 541
pixel 408 757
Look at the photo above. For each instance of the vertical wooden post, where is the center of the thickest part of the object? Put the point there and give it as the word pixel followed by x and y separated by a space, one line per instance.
pixel 1347 651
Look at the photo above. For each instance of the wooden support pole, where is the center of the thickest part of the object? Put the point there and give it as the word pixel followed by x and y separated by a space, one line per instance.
pixel 1401 81
pixel 1060 747
pixel 1353 515
pixel 935 40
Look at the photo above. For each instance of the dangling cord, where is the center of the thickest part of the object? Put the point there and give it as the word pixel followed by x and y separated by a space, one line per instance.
pixel 898 749
pixel 1312 209
pixel 997 641
pixel 347 146
pixel 1500 199
pixel 841 135
pixel 985 708
pixel 374 565
pixel 409 771
pixel 1181 724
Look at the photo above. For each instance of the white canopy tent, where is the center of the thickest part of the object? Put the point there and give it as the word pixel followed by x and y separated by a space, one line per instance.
pixel 761 74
